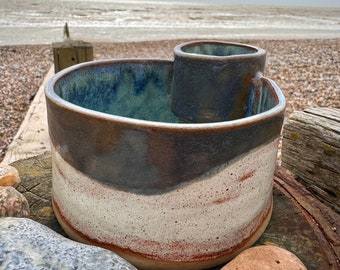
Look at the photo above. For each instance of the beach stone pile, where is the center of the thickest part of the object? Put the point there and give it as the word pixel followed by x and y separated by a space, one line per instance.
pixel 26 244
pixel 12 202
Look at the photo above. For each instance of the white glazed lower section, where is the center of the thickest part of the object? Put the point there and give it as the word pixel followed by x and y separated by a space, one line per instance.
pixel 207 216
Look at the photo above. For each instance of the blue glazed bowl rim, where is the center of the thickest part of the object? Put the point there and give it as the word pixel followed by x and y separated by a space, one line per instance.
pixel 179 52
pixel 51 95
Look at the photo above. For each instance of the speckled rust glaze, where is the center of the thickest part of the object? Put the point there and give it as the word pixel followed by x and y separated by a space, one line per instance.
pixel 164 195
pixel 152 261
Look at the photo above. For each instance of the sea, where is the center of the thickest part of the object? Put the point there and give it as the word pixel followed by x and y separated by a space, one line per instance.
pixel 42 21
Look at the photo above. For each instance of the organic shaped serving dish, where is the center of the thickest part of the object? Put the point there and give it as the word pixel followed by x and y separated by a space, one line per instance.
pixel 130 176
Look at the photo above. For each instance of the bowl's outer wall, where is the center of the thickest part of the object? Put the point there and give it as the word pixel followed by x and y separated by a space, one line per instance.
pixel 148 160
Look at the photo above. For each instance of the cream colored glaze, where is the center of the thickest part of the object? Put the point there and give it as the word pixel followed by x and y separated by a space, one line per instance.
pixel 204 217
pixel 144 263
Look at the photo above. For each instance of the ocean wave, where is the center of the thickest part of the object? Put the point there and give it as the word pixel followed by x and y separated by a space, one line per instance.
pixel 164 16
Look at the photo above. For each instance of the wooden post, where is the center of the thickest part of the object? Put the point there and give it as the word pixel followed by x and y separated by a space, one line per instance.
pixel 70 52
pixel 311 150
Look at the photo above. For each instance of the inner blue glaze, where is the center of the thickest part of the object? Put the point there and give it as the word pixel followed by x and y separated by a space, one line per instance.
pixel 216 49
pixel 137 90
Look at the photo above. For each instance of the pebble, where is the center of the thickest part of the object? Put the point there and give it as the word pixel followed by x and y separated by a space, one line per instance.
pixel 26 244
pixel 9 176
pixel 265 258
pixel 13 203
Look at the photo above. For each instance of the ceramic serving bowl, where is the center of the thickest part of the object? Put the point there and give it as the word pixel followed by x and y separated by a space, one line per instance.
pixel 129 176
pixel 212 79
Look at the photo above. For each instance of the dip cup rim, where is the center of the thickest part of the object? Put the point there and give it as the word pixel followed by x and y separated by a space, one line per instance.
pixel 179 52
pixel 51 96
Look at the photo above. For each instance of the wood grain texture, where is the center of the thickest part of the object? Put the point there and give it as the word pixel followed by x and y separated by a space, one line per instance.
pixel 71 52
pixel 311 150
pixel 32 138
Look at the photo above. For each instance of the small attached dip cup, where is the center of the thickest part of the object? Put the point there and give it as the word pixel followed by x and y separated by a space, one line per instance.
pixel 130 176
pixel 212 79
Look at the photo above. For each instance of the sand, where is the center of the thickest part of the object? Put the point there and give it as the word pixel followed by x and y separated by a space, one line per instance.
pixel 42 22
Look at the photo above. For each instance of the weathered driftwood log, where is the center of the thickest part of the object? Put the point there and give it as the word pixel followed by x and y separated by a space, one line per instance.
pixel 311 150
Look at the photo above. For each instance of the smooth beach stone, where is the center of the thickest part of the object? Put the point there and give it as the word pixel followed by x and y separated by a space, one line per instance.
pixel 9 176
pixel 26 244
pixel 13 203
pixel 265 258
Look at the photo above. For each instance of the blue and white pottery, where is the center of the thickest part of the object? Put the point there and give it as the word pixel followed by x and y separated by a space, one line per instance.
pixel 131 176
pixel 213 79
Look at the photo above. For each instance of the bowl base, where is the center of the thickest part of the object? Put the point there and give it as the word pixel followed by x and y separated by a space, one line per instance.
pixel 143 262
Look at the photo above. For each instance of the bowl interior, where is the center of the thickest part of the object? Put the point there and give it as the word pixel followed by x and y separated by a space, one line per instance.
pixel 130 89
pixel 139 90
